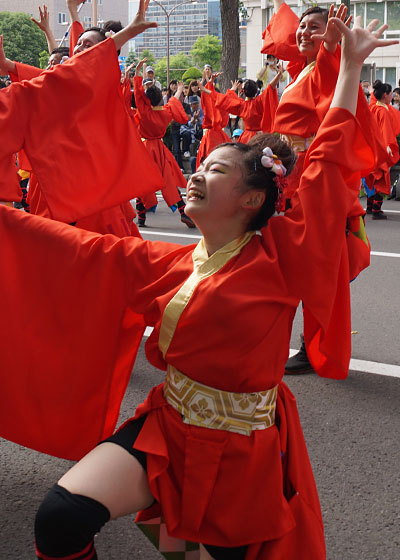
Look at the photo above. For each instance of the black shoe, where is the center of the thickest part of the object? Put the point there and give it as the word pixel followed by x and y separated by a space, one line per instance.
pixel 142 223
pixel 186 220
pixel 299 363
pixel 379 216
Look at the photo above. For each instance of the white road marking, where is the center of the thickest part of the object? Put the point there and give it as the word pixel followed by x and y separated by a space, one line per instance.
pixel 366 366
pixel 377 368
pixel 383 254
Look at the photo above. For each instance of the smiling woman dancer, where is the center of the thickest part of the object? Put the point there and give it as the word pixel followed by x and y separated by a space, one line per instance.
pixel 222 419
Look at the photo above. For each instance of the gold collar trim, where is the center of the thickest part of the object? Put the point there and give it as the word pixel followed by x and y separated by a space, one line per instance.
pixel 381 104
pixel 309 68
pixel 204 266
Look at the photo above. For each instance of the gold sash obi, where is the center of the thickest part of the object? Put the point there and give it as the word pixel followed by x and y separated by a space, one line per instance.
pixel 297 143
pixel 207 407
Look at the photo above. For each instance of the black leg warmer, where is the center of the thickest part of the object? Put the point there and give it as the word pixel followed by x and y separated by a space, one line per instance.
pixel 66 523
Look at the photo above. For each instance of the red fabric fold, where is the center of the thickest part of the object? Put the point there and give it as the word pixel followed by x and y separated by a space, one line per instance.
pixel 100 139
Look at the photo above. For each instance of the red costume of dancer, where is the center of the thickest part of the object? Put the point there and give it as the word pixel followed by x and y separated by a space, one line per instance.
pixel 387 126
pixel 99 200
pixel 62 393
pixel 153 122
pixel 75 32
pixel 396 119
pixel 302 108
pixel 214 121
pixel 306 99
pixel 256 112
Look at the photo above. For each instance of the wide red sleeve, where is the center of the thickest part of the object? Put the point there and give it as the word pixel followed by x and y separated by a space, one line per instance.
pixel 142 102
pixel 176 110
pixel 395 113
pixel 13 122
pixel 268 102
pixel 305 101
pixel 280 36
pixel 75 32
pixel 85 132
pixel 311 237
pixel 25 72
pixel 230 102
pixel 66 327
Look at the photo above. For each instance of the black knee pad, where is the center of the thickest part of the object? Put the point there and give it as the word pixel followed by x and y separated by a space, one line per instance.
pixel 66 523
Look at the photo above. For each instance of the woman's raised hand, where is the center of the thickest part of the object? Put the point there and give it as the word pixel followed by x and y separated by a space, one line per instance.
pixel 358 43
pixel 235 85
pixel 332 36
pixel 44 22
pixel 139 24
pixel 139 66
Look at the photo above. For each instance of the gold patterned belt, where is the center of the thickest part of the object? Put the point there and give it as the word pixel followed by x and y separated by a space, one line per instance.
pixel 201 405
pixel 298 143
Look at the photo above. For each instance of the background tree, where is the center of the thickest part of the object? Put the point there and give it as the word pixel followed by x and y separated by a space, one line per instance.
pixel 132 58
pixel 207 50
pixel 43 59
pixel 145 53
pixel 23 40
pixel 178 64
pixel 230 42
pixel 192 73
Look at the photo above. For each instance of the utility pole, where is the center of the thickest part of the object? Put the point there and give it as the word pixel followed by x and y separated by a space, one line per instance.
pixel 94 13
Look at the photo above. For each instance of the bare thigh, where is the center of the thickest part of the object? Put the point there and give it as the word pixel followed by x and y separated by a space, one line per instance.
pixel 113 477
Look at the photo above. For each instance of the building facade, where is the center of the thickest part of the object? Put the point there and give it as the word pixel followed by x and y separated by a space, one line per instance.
pixel 383 64
pixel 59 17
pixel 187 21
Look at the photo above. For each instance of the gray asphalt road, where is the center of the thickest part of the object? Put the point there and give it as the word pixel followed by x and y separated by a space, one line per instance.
pixel 351 427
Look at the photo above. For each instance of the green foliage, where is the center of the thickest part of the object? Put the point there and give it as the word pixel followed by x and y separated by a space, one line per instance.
pixel 132 58
pixel 149 55
pixel 192 73
pixel 178 64
pixel 23 40
pixel 207 50
pixel 43 59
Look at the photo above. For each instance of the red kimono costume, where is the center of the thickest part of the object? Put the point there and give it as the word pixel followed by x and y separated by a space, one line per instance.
pixel 213 486
pixel 75 32
pixel 396 119
pixel 307 98
pixel 256 113
pixel 303 106
pixel 87 201
pixel 153 122
pixel 380 178
pixel 214 121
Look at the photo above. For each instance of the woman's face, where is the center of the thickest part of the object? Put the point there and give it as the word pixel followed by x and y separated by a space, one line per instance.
pixel 214 192
pixel 387 98
pixel 310 25
pixel 195 87
pixel 87 40
pixel 173 87
pixel 208 71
